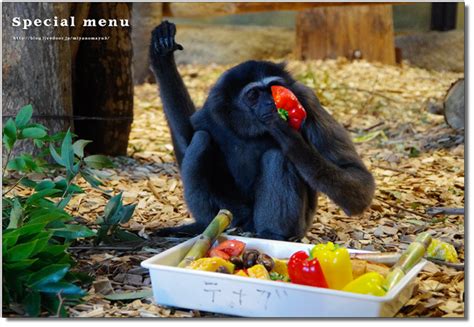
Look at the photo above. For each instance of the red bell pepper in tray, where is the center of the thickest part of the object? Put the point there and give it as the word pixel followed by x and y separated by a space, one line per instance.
pixel 288 106
pixel 306 272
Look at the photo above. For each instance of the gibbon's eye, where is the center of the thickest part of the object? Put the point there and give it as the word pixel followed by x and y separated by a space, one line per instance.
pixel 252 95
pixel 275 83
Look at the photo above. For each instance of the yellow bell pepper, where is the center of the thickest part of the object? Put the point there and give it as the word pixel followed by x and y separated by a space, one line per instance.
pixel 258 271
pixel 211 264
pixel 281 267
pixel 442 251
pixel 335 262
pixel 370 283
pixel 242 273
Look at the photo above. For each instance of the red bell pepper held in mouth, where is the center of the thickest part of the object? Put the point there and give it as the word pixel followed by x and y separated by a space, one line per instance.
pixel 306 272
pixel 289 108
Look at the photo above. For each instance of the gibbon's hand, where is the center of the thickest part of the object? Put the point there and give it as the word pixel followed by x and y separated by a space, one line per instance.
pixel 162 40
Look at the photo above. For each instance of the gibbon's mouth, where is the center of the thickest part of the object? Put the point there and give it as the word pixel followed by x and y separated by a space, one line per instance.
pixel 268 115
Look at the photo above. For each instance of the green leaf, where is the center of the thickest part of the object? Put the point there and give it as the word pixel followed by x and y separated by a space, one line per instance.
pixel 33 133
pixel 79 146
pixel 28 183
pixel 20 265
pixel 55 214
pixel 71 232
pixel 54 250
pixel 57 137
pixel 127 236
pixel 98 161
pixel 42 243
pixel 38 143
pixel 61 287
pixel 50 274
pixel 76 168
pixel 42 194
pixel 10 129
pixel 94 182
pixel 17 164
pixel 15 215
pixel 23 163
pixel 34 237
pixel 11 236
pixel 45 185
pixel 63 203
pixel 369 136
pixel 8 142
pixel 127 296
pixel 32 304
pixel 73 188
pixel 126 213
pixel 67 153
pixel 31 163
pixel 113 206
pixel 55 155
pixel 21 251
pixel 8 240
pixel 24 116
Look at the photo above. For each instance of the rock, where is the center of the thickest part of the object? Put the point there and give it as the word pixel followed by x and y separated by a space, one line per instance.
pixel 454 110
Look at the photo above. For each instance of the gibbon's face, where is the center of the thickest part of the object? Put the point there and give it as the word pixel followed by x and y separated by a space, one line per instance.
pixel 243 98
pixel 256 97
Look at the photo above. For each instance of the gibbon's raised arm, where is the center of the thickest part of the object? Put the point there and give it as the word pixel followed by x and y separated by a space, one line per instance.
pixel 177 103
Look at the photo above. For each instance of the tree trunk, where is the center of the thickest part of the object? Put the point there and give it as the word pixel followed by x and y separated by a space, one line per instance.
pixel 36 72
pixel 355 31
pixel 103 87
pixel 145 16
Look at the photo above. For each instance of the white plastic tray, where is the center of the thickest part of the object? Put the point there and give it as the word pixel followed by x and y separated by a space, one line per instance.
pixel 250 297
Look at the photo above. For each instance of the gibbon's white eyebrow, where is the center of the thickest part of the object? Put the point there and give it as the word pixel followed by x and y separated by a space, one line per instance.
pixel 263 82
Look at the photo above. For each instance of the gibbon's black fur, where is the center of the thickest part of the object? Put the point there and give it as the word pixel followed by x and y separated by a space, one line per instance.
pixel 236 153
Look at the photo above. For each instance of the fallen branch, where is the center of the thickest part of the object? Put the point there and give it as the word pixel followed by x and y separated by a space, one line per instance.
pixel 153 190
pixel 404 209
pixel 394 169
pixel 374 126
pixel 116 248
pixel 373 93
pixel 446 211
pixel 457 266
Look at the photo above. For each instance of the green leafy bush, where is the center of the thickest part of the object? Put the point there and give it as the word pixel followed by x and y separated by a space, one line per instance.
pixel 37 231
pixel 115 213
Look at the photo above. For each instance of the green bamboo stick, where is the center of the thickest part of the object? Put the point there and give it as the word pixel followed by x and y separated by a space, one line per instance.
pixel 412 255
pixel 204 242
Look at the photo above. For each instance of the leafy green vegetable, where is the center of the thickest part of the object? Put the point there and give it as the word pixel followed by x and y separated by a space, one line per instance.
pixel 276 276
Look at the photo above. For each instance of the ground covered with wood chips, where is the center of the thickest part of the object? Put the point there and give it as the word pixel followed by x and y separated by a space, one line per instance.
pixel 417 161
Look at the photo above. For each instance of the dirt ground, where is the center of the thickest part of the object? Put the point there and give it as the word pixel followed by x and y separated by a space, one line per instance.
pixel 417 161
